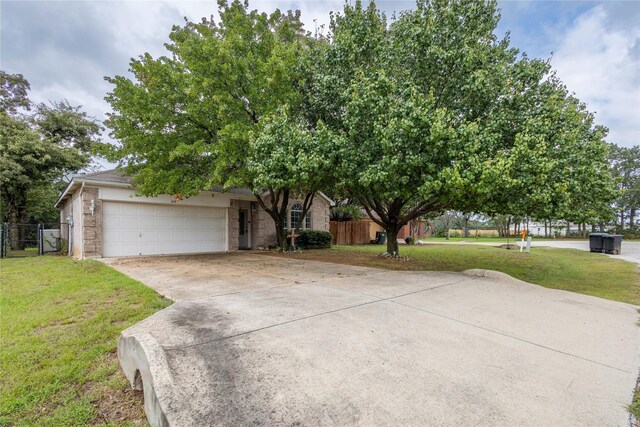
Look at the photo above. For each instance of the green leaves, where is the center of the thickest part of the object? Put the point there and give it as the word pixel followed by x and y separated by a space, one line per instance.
pixel 185 122
pixel 285 154
pixel 40 149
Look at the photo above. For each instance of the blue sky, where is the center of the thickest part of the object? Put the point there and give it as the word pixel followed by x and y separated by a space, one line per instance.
pixel 64 48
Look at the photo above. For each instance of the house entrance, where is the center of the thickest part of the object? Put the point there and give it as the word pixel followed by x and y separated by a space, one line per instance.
pixel 243 229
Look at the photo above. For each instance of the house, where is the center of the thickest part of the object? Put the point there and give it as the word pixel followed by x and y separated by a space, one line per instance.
pixel 103 217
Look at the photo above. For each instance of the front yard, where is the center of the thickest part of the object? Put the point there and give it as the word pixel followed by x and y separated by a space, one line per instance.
pixel 61 319
pixel 568 269
pixel 60 323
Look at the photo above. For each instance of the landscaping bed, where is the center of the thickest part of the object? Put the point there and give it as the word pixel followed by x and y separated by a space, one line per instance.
pixel 60 323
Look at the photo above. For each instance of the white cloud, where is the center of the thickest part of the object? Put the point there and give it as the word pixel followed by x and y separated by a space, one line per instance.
pixel 600 64
pixel 65 48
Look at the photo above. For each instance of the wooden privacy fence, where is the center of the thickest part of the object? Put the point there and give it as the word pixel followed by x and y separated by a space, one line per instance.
pixel 350 232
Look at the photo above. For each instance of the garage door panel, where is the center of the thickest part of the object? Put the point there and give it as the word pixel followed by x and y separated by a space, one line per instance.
pixel 141 229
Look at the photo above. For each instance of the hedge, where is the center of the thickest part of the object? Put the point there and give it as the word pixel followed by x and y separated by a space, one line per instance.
pixel 312 239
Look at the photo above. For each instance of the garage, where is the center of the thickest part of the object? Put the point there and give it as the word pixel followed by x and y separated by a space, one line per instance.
pixel 154 229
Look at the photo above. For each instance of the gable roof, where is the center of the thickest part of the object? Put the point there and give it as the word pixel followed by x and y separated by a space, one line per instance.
pixel 117 177
pixel 112 175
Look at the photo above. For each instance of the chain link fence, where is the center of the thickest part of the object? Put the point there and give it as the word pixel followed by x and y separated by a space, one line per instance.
pixel 24 240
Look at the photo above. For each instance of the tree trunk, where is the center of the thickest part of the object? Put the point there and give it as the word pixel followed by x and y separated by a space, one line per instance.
pixel 632 218
pixel 622 219
pixel 392 239
pixel 17 216
pixel 466 226
pixel 277 210
pixel 568 232
pixel 281 236
pixel 546 230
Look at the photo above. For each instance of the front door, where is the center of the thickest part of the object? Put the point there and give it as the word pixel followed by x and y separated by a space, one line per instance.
pixel 243 228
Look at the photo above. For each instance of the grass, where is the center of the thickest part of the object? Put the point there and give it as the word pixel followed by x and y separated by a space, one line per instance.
pixel 567 269
pixel 502 240
pixel 60 323
pixel 634 408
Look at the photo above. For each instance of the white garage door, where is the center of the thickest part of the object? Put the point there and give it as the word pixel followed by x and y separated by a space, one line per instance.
pixel 145 229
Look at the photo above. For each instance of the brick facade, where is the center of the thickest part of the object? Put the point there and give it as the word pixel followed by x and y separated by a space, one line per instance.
pixel 91 223
pixel 266 235
pixel 232 225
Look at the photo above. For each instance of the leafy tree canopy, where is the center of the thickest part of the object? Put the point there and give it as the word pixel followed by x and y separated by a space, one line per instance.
pixel 38 150
pixel 437 113
pixel 625 167
pixel 222 108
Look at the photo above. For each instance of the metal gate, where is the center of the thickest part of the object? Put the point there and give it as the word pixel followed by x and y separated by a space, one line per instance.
pixel 24 240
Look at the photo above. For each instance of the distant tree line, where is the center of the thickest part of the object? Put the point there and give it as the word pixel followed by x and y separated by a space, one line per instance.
pixel 40 144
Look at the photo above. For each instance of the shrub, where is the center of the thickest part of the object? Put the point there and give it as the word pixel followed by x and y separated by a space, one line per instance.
pixel 409 240
pixel 313 239
pixel 631 233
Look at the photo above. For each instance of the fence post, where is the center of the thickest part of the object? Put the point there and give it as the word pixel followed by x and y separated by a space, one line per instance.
pixel 3 240
pixel 40 239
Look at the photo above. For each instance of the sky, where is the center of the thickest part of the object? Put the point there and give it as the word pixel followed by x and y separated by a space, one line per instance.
pixel 65 48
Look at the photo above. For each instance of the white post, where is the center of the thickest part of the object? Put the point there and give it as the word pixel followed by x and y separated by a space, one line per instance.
pixel 528 244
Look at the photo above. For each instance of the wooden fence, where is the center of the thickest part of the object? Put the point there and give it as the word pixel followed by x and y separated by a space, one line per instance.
pixel 350 232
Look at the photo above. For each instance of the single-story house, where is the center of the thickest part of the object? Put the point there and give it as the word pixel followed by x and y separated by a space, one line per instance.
pixel 103 217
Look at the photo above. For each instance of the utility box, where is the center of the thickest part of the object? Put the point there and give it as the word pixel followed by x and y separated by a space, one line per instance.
pixel 613 244
pixel 596 241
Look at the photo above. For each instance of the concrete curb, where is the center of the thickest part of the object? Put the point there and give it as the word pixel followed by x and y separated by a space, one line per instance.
pixel 145 365
pixel 492 274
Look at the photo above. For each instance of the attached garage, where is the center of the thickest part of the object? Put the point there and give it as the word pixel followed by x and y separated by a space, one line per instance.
pixel 149 229
pixel 104 216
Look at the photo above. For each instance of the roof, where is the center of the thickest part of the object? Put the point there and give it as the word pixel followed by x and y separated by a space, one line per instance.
pixel 118 177
pixel 112 175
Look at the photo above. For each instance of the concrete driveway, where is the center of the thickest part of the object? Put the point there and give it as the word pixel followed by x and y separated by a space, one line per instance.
pixel 254 339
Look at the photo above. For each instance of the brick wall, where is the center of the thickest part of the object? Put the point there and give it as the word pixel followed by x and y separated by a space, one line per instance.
pixel 233 232
pixel 266 231
pixel 91 224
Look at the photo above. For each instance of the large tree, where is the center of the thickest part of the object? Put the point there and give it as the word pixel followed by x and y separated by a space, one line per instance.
pixel 218 111
pixel 37 149
pixel 437 113
pixel 625 166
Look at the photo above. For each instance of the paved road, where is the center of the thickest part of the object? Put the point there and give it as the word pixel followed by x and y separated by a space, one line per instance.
pixel 254 339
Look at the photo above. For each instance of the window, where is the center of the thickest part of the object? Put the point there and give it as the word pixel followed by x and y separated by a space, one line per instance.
pixel 307 221
pixel 296 214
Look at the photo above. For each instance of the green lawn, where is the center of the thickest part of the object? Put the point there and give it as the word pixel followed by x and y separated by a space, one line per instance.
pixel 568 269
pixel 60 323
pixel 502 240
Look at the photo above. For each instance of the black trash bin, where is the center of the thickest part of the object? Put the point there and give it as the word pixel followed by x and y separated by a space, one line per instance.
pixel 596 241
pixel 612 244
pixel 381 237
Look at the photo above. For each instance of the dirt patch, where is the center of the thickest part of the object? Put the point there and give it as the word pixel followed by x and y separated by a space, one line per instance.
pixel 115 401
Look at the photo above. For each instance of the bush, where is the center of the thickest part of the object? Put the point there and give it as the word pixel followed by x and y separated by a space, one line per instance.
pixel 409 240
pixel 312 239
pixel 631 233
